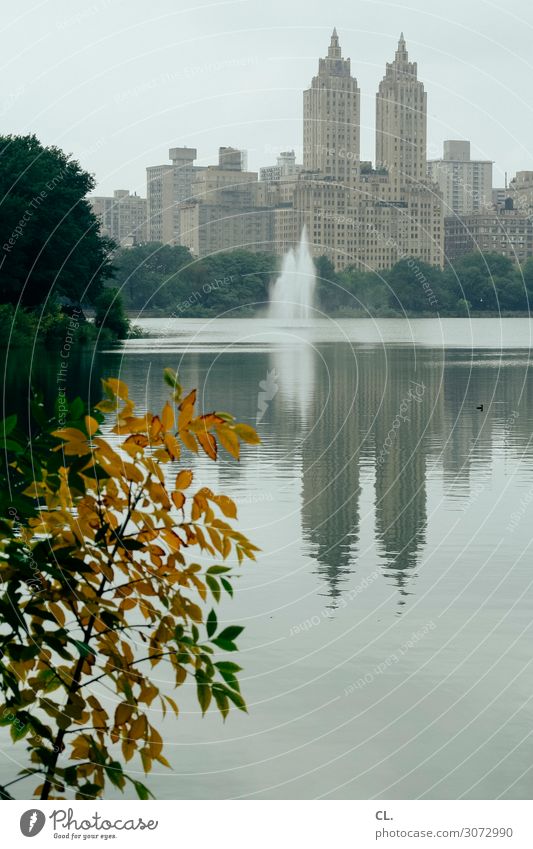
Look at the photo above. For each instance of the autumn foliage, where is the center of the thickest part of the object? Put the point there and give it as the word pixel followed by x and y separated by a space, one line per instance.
pixel 109 559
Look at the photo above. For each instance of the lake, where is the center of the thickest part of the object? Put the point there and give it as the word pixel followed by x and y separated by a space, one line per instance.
pixel 387 648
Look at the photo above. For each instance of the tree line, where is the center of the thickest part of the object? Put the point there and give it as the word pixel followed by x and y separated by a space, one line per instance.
pixel 164 280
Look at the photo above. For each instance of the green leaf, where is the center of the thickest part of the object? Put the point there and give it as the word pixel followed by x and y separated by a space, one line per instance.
pixel 82 647
pixel 227 586
pixel 89 791
pixel 170 377
pixel 218 570
pixel 142 791
pixel 225 645
pixel 221 700
pixel 203 689
pixel 236 698
pixel 77 409
pixel 11 445
pixel 115 774
pixel 7 425
pixel 213 585
pixel 231 632
pixel 228 671
pixel 211 623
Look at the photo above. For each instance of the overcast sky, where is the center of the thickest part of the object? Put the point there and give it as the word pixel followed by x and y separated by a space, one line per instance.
pixel 118 82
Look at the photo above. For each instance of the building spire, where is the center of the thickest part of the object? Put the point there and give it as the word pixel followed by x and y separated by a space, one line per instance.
pixel 402 49
pixel 334 51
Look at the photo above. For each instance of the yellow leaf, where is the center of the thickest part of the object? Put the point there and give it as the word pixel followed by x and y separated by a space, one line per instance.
pixel 208 443
pixel 128 749
pixel 146 760
pixel 156 744
pixel 117 387
pixel 172 446
pixel 172 540
pixel 138 728
pixel 167 417
pixel 229 440
pixel 227 505
pixel 123 713
pixel 179 499
pixel 57 612
pixel 184 479
pixel 91 425
pixel 189 441
pixel 247 434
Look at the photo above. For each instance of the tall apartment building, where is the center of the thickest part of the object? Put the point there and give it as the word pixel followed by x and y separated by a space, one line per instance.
pixel 506 231
pixel 285 167
pixel 332 118
pixel 401 120
pixel 160 203
pixel 359 215
pixel 466 184
pixel 123 217
pixel 166 187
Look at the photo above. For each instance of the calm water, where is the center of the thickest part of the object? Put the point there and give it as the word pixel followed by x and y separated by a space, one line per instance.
pixel 387 649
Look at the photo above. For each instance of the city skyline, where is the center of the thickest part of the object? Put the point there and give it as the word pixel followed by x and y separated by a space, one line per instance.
pixel 234 77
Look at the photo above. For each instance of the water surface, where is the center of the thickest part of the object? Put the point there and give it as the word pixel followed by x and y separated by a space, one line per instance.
pixel 387 649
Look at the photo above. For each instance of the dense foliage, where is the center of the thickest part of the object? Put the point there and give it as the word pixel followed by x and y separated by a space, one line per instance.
pixel 476 283
pixel 104 564
pixel 51 244
pixel 168 281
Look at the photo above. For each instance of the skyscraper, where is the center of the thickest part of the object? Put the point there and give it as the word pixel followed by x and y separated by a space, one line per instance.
pixel 401 120
pixel 332 118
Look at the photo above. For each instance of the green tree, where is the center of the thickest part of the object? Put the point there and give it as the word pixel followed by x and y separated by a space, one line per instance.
pixel 151 275
pixel 104 574
pixel 110 313
pixel 51 242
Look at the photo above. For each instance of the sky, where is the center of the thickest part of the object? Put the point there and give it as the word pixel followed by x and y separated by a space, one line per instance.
pixel 118 82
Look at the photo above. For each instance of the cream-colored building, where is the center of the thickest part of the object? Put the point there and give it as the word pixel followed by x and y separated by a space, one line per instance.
pixel 401 120
pixel 123 217
pixel 466 184
pixel 354 214
pixel 332 118
pixel 505 231
pixel 166 187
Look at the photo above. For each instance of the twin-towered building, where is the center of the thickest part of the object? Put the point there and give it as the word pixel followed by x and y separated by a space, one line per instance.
pixel 353 212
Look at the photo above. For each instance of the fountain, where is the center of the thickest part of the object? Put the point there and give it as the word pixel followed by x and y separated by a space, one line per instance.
pixel 292 295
